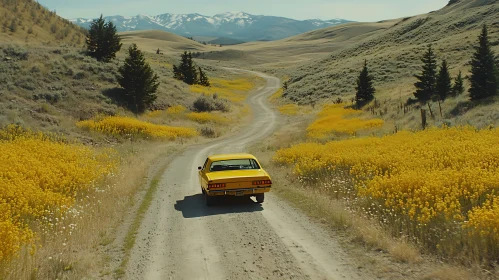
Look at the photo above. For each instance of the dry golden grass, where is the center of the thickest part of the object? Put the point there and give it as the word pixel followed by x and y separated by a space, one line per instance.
pixel 206 117
pixel 289 109
pixel 449 273
pixel 168 43
pixel 294 110
pixel 393 54
pixel 29 22
pixel 404 251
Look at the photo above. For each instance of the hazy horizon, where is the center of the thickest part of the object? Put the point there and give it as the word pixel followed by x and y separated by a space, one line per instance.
pixel 357 10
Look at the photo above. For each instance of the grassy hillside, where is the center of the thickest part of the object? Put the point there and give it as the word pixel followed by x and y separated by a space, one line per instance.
pixel 393 55
pixel 26 21
pixel 48 82
pixel 323 65
pixel 225 41
pixel 151 40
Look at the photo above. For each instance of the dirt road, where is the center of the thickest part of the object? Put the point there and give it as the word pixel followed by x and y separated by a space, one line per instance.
pixel 181 238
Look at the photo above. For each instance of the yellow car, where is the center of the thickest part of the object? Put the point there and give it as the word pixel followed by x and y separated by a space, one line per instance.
pixel 233 175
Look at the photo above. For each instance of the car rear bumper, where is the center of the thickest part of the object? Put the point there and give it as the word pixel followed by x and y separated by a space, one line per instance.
pixel 238 192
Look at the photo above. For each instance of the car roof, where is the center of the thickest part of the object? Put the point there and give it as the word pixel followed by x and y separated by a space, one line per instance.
pixel 230 156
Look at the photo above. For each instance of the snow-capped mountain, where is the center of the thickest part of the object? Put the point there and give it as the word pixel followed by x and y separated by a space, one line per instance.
pixel 235 25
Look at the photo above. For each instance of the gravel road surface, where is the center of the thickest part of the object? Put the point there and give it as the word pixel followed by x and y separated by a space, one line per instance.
pixel 182 238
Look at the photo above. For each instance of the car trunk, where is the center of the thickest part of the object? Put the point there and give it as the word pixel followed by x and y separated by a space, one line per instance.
pixel 237 179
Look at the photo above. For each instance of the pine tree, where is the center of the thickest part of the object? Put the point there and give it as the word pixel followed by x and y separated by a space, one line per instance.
pixel 425 87
pixel 484 80
pixel 186 71
pixel 458 88
pixel 191 76
pixel 365 88
pixel 138 80
pixel 103 42
pixel 444 83
pixel 177 74
pixel 203 79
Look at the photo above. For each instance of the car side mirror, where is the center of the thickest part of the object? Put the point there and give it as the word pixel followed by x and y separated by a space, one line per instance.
pixel 199 168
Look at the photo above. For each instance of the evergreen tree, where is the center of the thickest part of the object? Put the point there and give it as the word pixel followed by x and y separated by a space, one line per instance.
pixel 103 42
pixel 444 83
pixel 138 80
pixel 203 80
pixel 425 87
pixel 186 71
pixel 365 88
pixel 458 88
pixel 484 80
pixel 177 74
pixel 191 74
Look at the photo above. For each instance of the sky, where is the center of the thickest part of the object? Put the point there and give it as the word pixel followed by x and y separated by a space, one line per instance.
pixel 357 10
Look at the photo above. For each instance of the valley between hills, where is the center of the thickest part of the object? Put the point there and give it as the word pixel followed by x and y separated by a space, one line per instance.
pixel 93 189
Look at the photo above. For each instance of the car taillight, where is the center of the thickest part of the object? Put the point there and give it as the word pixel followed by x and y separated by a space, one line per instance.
pixel 262 182
pixel 216 186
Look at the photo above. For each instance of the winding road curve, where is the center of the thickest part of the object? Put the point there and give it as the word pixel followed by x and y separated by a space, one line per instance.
pixel 181 238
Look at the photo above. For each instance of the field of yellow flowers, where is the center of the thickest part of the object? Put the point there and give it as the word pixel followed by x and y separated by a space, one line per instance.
pixel 234 90
pixel 276 95
pixel 289 109
pixel 40 174
pixel 130 127
pixel 439 187
pixel 333 119
pixel 171 112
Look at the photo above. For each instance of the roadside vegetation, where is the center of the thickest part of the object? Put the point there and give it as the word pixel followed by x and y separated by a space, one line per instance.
pixel 393 50
pixel 435 187
pixel 131 127
pixel 432 190
pixel 79 133
pixel 334 119
pixel 41 177
pixel 428 187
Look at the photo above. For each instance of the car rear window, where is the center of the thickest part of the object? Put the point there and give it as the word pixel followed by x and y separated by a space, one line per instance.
pixel 234 164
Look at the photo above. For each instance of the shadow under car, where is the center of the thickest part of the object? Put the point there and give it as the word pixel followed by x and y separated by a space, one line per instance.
pixel 194 206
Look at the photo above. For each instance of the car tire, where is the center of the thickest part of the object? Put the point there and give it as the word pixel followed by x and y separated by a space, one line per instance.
pixel 210 200
pixel 260 198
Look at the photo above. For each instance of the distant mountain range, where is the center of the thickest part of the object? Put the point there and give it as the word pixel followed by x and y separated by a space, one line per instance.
pixel 238 26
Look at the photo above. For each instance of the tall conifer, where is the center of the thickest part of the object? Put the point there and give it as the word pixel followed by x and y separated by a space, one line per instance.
pixel 425 86
pixel 365 89
pixel 484 80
